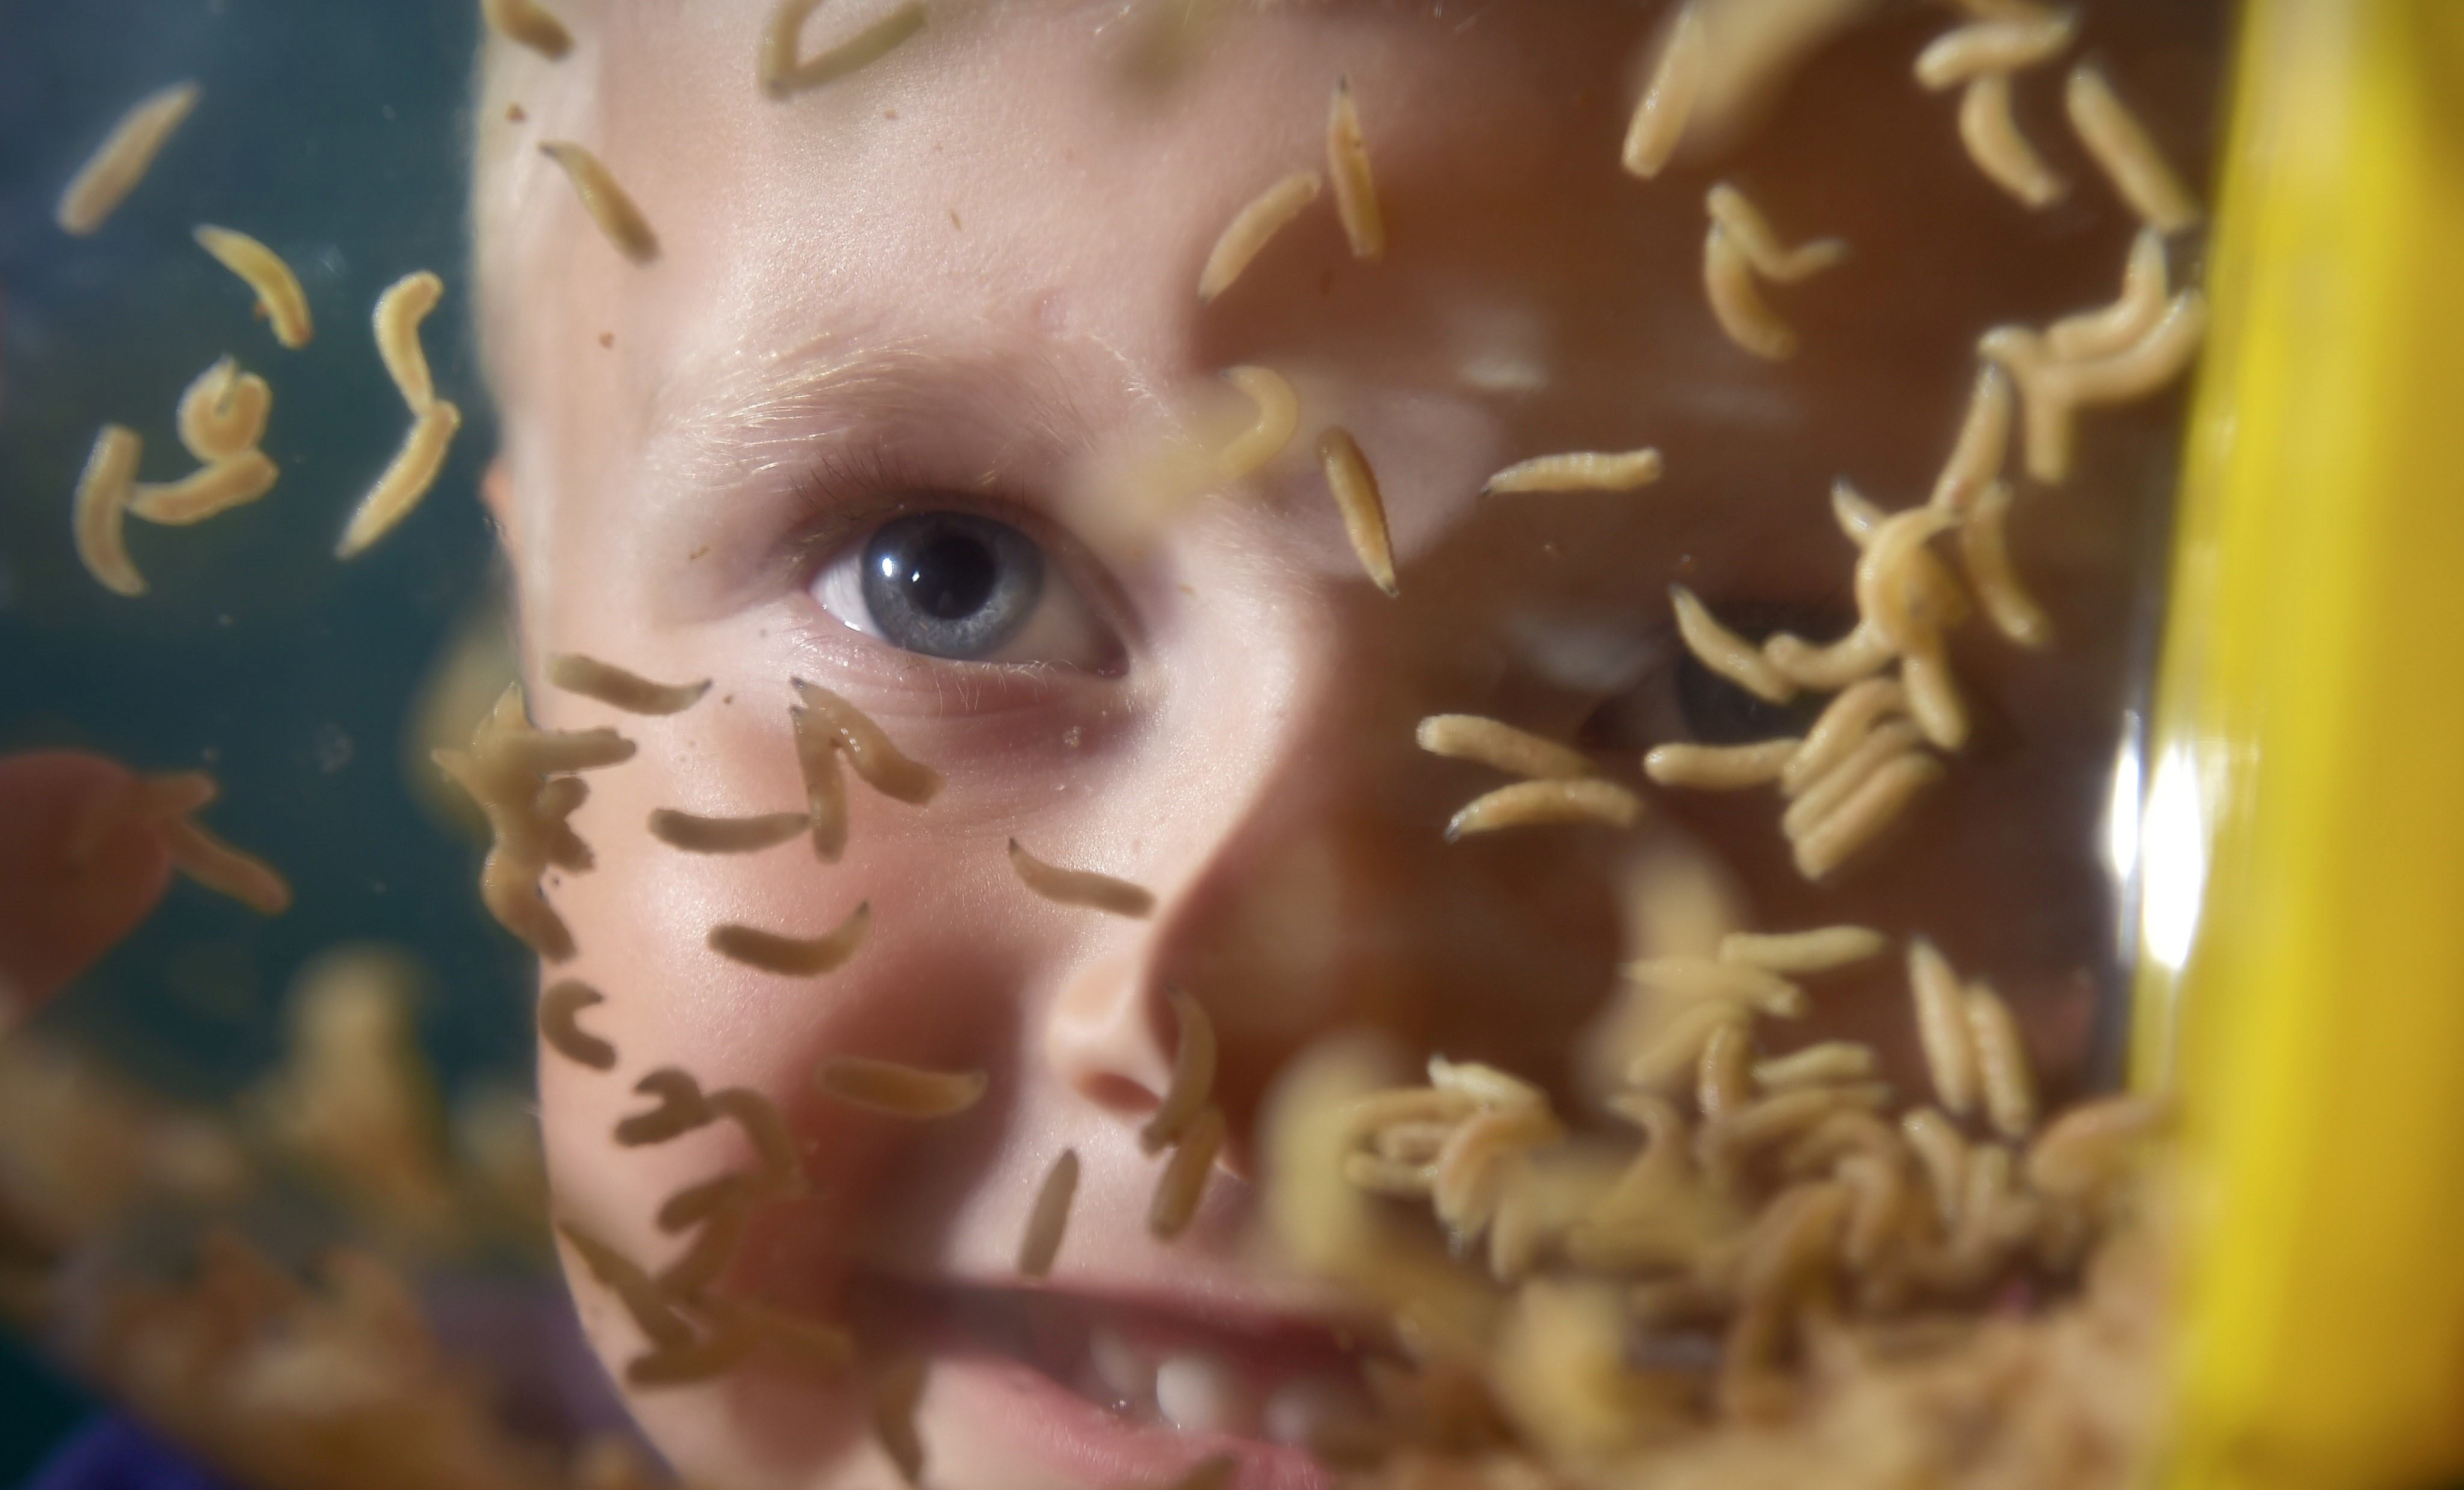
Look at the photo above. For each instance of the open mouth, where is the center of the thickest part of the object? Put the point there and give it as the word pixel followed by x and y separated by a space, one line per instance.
pixel 1112 1391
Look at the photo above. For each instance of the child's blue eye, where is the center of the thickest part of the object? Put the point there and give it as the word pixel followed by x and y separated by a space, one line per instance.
pixel 951 584
pixel 961 587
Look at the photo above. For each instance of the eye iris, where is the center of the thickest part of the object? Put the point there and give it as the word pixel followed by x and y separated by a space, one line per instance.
pixel 951 584
pixel 950 577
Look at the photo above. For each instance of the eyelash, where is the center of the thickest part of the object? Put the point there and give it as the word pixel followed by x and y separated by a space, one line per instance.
pixel 841 492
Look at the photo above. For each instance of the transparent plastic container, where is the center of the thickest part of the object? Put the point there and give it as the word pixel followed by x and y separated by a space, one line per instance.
pixel 916 338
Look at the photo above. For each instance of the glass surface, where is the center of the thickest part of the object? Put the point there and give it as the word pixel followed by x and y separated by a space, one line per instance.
pixel 1253 699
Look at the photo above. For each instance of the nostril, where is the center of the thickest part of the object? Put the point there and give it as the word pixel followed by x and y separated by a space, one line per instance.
pixel 1100 1039
pixel 1118 1094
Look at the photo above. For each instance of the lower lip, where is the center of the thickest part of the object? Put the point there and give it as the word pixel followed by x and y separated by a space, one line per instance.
pixel 1087 1445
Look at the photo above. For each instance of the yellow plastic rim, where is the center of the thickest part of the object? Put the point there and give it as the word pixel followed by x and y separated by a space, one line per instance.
pixel 2303 950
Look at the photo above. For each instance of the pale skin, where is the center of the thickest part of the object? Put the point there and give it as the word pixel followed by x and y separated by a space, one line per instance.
pixel 993 239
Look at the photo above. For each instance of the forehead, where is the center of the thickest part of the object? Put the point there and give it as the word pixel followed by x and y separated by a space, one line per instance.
pixel 1009 170
pixel 997 173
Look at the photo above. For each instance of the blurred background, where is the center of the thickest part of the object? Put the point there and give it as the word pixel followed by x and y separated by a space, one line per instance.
pixel 334 133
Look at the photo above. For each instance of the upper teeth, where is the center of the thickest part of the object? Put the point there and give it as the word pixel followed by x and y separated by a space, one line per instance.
pixel 1203 1393
pixel 1199 1392
pixel 1123 1369
pixel 1300 1410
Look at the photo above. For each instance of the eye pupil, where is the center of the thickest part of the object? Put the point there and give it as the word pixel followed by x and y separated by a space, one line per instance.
pixel 950 577
pixel 951 584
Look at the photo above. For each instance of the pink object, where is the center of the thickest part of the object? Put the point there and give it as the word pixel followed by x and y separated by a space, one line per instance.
pixel 68 893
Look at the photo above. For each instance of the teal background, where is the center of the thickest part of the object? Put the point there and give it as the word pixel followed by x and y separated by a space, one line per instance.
pixel 37 1409
pixel 334 130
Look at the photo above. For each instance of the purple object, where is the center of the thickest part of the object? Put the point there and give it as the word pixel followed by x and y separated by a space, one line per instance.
pixel 115 1454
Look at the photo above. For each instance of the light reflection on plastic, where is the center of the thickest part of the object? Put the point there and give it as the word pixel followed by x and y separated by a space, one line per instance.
pixel 2122 811
pixel 2173 861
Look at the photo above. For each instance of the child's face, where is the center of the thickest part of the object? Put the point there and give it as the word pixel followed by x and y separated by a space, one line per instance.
pixel 954 282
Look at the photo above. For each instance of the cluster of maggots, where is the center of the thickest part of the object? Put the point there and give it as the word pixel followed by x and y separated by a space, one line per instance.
pixel 222 415
pixel 1870 755
pixel 1776 1208
pixel 290 1370
pixel 221 420
pixel 1865 759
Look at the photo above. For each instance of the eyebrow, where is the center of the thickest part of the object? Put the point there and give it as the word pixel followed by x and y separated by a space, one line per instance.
pixel 754 420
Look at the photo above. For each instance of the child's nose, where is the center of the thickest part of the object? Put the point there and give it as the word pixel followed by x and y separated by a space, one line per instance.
pixel 1322 895
pixel 1102 1039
